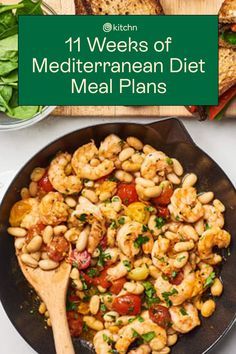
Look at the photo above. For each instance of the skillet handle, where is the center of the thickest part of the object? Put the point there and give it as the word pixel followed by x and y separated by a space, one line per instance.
pixel 172 131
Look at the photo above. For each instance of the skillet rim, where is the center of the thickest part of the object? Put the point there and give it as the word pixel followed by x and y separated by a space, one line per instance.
pixel 152 125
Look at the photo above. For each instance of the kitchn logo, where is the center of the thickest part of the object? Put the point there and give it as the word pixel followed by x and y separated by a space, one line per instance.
pixel 109 27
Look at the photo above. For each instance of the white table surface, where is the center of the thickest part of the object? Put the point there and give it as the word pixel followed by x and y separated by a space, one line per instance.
pixel 218 139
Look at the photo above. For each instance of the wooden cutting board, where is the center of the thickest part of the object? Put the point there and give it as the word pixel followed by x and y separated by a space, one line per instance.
pixel 170 7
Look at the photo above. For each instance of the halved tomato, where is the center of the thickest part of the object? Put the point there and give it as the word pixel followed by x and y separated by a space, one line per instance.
pixel 129 304
pixel 160 315
pixel 117 286
pixel 164 198
pixel 58 248
pixel 75 322
pixel 127 193
pixel 81 259
pixel 45 184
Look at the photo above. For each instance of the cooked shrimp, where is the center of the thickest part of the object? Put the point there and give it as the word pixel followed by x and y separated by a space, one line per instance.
pixel 126 335
pixel 210 238
pixel 101 342
pixel 213 216
pixel 25 213
pixel 59 179
pixel 96 234
pixel 184 318
pixel 120 270
pixel 181 292
pixel 81 163
pixel 110 147
pixel 154 163
pixel 87 211
pixel 160 258
pixel 53 210
pixel 126 237
pixel 185 206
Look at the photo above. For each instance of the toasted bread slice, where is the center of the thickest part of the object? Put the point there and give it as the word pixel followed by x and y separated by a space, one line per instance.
pixel 227 69
pixel 227 13
pixel 119 7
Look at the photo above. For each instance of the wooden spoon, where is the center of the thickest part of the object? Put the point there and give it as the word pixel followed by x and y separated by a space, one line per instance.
pixel 52 286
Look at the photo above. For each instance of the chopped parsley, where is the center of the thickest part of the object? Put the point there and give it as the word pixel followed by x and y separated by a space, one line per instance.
pixel 82 217
pixel 180 258
pixel 140 241
pixel 150 208
pixel 183 311
pixel 135 333
pixel 112 179
pixel 144 228
pixel 103 257
pixel 208 227
pixel 103 308
pixel 150 294
pixel 140 319
pixel 160 222
pixel 85 327
pixel 127 264
pixel 113 225
pixel 85 286
pixel 93 273
pixel 209 281
pixel 71 306
pixel 169 161
pixel 121 220
pixel 130 320
pixel 167 294
pixel 174 274
pixel 147 337
pixel 107 339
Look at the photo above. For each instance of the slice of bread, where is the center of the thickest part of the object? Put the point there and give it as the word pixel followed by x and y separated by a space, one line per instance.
pixel 227 13
pixel 227 69
pixel 119 7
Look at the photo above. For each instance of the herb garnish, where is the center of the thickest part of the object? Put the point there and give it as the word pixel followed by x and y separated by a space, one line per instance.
pixel 209 281
pixel 140 241
pixel 160 222
pixel 166 295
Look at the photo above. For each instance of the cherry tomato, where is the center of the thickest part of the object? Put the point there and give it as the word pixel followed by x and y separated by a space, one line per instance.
pixel 223 101
pixel 160 315
pixel 87 278
pixel 45 184
pixel 163 212
pixel 58 248
pixel 102 280
pixel 192 109
pixel 233 27
pixel 75 322
pixel 127 193
pixel 99 316
pixel 127 304
pixel 176 279
pixel 117 286
pixel 103 179
pixel 164 198
pixel 81 259
pixel 73 298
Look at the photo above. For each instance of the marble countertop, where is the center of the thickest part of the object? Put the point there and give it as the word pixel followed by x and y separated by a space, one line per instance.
pixel 218 139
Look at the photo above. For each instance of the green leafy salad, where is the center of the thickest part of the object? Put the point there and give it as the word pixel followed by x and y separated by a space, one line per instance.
pixel 9 58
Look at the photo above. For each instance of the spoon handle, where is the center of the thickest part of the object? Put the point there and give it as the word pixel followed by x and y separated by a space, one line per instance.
pixel 61 333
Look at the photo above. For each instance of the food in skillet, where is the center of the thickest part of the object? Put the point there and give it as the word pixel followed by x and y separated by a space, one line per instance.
pixel 144 243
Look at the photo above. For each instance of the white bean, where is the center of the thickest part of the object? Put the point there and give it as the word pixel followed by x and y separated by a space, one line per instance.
pixel 19 242
pixel 28 260
pixel 17 231
pixel 60 229
pixel 123 176
pixel 37 174
pixel 199 227
pixel 105 196
pixel 173 178
pixel 152 192
pixel 137 158
pixel 70 202
pixel 92 323
pixel 134 142
pixel 147 149
pixel 219 205
pixel 24 193
pixel 172 339
pixel 79 285
pixel 189 180
pixel 111 316
pixel 181 260
pixel 190 232
pixel 90 195
pixel 126 154
pixel 47 234
pixel 94 304
pixel 35 244
pixel 144 182
pixel 48 264
pixel 134 288
pixel 36 255
pixel 82 241
pixel 184 246
pixel 44 255
pixel 72 235
pixel 177 167
pixel 33 189
pixel 130 166
pixel 74 274
pixel 206 197
pixel 96 253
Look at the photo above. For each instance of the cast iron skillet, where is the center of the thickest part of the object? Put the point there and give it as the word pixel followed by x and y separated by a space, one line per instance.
pixel 171 137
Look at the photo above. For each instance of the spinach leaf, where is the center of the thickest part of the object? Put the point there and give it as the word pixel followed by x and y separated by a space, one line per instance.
pixel 30 8
pixel 12 77
pixel 4 8
pixel 9 48
pixel 5 96
pixel 6 67
pixel 23 112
